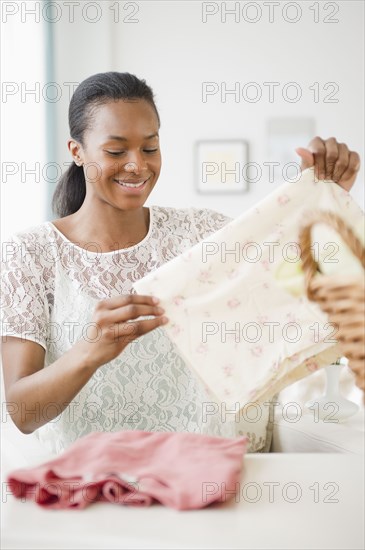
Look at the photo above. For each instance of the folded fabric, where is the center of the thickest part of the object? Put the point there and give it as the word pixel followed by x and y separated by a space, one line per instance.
pixel 178 469
pixel 238 328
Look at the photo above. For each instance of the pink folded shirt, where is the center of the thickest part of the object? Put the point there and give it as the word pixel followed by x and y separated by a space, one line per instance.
pixel 178 469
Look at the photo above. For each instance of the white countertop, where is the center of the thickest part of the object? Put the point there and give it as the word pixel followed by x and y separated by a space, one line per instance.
pixel 305 434
pixel 318 503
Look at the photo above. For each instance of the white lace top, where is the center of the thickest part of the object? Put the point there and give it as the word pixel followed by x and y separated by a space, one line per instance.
pixel 50 287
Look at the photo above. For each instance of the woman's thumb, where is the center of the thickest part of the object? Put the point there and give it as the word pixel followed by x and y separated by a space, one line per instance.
pixel 306 157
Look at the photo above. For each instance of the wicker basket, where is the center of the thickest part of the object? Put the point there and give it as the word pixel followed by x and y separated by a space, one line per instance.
pixel 341 296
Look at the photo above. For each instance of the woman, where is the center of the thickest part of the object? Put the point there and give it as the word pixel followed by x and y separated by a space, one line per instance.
pixel 69 302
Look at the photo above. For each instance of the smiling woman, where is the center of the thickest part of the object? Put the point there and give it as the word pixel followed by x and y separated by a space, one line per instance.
pixel 109 363
pixel 114 143
pixel 68 298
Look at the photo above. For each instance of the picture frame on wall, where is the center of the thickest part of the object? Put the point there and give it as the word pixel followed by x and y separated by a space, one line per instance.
pixel 221 166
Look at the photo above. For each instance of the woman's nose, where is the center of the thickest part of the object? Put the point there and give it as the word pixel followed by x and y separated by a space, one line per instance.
pixel 136 165
pixel 131 167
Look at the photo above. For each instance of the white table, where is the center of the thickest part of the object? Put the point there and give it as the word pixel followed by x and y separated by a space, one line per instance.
pixel 306 433
pixel 318 503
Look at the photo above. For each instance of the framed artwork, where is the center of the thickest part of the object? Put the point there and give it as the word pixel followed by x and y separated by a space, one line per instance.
pixel 221 166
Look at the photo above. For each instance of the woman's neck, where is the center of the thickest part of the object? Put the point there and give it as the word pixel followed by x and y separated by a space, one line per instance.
pixel 109 229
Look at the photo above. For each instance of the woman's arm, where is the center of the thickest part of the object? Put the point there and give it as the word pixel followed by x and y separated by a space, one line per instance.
pixel 30 388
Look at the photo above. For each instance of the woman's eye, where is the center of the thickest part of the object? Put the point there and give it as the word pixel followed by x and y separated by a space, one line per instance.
pixel 116 153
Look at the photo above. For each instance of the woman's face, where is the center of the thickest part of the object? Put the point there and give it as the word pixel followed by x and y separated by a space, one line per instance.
pixel 121 154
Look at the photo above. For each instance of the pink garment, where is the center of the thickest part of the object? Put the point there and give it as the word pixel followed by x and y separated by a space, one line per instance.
pixel 178 469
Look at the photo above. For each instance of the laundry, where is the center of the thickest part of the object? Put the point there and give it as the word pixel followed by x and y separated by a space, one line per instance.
pixel 240 325
pixel 181 470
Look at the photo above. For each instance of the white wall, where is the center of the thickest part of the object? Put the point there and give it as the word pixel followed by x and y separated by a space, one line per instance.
pixel 81 49
pixel 23 125
pixel 175 51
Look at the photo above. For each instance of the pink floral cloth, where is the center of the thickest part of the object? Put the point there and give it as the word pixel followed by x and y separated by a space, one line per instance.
pixel 181 470
pixel 244 334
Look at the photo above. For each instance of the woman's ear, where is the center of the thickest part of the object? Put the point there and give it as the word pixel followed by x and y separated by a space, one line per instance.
pixel 76 151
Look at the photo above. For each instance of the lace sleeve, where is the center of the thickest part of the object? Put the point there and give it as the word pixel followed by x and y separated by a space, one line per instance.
pixel 207 221
pixel 23 302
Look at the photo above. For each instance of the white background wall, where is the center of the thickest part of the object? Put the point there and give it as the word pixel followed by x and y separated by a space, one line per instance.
pixel 23 124
pixel 175 51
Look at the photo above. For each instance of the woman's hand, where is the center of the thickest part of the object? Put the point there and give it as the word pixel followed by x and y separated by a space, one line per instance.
pixel 113 331
pixel 331 160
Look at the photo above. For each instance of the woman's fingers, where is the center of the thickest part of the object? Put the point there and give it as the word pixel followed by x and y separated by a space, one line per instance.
pixel 131 311
pixel 318 148
pixel 125 300
pixel 114 327
pixel 113 316
pixel 124 308
pixel 342 162
pixel 348 177
pixel 307 159
pixel 131 331
pixel 331 160
pixel 331 157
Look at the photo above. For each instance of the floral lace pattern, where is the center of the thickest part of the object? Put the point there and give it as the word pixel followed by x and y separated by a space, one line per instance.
pixel 50 287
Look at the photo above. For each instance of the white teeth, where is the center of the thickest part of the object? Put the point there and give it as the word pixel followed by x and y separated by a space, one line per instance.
pixel 125 184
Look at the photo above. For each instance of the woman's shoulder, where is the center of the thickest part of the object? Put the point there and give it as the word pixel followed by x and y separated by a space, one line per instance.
pixel 26 247
pixel 38 234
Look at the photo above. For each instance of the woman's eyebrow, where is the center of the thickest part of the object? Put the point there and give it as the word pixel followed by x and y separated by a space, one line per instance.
pixel 120 138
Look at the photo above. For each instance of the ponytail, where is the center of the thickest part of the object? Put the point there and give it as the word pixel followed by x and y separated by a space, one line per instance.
pixel 70 192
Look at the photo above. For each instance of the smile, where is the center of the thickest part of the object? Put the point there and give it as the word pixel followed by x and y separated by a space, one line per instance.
pixel 130 184
pixel 132 187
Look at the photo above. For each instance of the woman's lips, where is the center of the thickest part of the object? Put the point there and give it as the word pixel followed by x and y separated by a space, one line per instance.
pixel 130 186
